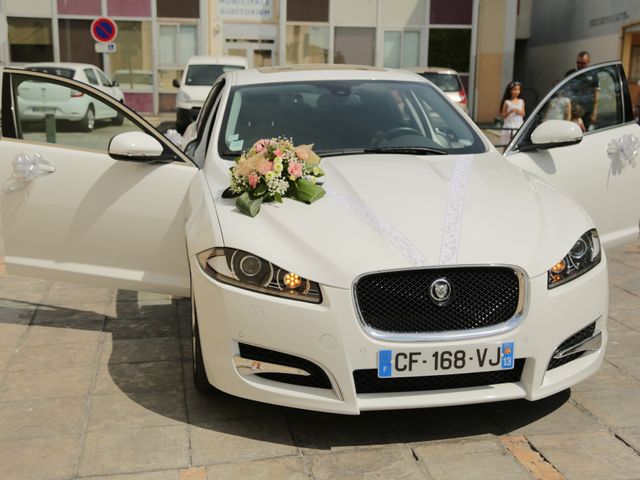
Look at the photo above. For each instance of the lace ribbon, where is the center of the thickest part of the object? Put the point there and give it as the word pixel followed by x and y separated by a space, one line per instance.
pixel 453 216
pixel 394 236
pixel 26 168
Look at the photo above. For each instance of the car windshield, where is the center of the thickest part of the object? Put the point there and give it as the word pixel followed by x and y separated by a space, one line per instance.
pixel 343 117
pixel 447 82
pixel 62 72
pixel 207 74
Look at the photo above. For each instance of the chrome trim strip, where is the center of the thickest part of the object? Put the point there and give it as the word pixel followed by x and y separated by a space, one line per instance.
pixel 588 345
pixel 513 322
pixel 246 366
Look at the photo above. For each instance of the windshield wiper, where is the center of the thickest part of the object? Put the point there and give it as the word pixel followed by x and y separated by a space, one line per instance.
pixel 407 150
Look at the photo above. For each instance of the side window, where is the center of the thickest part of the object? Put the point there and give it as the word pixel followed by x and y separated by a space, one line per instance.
pixel 91 76
pixel 48 111
pixel 593 100
pixel 197 148
pixel 103 78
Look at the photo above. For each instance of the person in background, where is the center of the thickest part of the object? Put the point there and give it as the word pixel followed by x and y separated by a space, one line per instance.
pixel 511 110
pixel 559 107
pixel 586 90
pixel 576 116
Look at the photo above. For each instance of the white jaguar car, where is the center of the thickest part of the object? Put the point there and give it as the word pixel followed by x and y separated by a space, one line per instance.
pixel 434 271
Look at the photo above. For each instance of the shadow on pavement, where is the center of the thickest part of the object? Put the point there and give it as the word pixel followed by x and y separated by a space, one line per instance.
pixel 150 362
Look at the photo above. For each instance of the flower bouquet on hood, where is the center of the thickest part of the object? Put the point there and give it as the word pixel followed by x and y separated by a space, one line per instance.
pixel 271 170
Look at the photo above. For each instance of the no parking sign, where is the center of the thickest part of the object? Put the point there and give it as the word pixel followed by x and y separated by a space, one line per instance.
pixel 104 30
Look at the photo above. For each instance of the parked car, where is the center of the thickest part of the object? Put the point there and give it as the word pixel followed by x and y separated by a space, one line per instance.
pixel 446 80
pixel 434 271
pixel 36 99
pixel 197 79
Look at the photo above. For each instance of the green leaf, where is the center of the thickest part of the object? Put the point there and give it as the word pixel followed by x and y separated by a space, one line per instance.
pixel 247 205
pixel 228 193
pixel 307 192
pixel 260 190
pixel 277 197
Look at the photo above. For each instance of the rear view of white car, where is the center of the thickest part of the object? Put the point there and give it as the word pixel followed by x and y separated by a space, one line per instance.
pixel 197 80
pixel 37 100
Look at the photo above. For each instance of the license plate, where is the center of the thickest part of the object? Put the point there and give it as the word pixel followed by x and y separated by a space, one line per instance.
pixel 44 109
pixel 441 361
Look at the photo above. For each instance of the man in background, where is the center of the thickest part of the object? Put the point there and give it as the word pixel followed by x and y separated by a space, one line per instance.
pixel 585 90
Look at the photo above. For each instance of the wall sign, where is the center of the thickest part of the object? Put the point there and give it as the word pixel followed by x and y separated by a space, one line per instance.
pixel 245 9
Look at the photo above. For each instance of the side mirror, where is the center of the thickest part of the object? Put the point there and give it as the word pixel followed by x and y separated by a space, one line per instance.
pixel 176 83
pixel 553 133
pixel 135 147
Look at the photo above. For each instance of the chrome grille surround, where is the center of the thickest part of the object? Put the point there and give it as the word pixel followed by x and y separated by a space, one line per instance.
pixel 502 327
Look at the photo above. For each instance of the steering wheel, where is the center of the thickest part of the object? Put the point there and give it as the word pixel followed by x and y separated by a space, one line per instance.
pixel 394 133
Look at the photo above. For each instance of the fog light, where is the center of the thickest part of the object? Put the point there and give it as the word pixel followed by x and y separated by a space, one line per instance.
pixel 292 280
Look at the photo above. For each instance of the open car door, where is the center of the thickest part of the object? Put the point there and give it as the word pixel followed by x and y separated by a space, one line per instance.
pixel 105 206
pixel 599 168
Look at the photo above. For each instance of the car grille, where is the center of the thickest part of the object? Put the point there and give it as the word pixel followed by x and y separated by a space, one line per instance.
pixel 400 302
pixel 367 381
pixel 317 378
pixel 574 339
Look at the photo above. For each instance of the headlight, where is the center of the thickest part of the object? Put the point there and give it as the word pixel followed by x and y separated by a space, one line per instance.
pixel 246 270
pixel 583 256
pixel 182 97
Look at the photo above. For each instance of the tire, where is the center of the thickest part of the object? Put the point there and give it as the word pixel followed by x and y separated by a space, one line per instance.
pixel 118 120
pixel 88 122
pixel 200 379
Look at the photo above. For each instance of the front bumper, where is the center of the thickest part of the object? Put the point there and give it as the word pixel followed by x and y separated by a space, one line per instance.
pixel 331 336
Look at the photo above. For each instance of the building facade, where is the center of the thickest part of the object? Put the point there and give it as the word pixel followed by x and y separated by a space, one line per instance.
pixel 156 37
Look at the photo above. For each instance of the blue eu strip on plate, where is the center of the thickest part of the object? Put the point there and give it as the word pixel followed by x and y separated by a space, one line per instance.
pixel 384 363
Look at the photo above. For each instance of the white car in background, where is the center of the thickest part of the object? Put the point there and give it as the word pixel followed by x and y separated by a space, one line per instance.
pixel 446 80
pixel 36 100
pixel 434 271
pixel 198 77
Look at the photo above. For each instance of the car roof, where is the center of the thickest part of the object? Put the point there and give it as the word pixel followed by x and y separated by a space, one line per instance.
pixel 433 70
pixel 315 72
pixel 221 60
pixel 70 65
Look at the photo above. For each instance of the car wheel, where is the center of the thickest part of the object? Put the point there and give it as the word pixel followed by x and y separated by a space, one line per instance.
pixel 200 379
pixel 118 119
pixel 88 123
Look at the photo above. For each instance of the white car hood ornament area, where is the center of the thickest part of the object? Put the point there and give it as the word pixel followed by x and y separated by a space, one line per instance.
pixel 26 168
pixel 385 212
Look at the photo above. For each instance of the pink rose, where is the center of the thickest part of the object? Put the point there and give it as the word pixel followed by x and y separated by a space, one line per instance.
pixel 302 152
pixel 253 180
pixel 295 169
pixel 260 144
pixel 278 152
pixel 265 167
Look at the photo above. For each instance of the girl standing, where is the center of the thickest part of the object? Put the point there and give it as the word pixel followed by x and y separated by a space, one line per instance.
pixel 512 110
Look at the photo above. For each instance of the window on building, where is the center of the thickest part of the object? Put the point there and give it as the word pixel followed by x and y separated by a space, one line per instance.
pixel 355 45
pixel 30 39
pixel 76 43
pixel 401 48
pixel 178 43
pixel 132 60
pixel 307 44
pixel 308 10
pixel 450 47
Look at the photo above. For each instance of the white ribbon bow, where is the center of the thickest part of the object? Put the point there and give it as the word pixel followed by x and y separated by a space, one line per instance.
pixel 624 151
pixel 26 168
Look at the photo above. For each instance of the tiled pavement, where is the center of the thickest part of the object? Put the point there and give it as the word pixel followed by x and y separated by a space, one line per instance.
pixel 96 383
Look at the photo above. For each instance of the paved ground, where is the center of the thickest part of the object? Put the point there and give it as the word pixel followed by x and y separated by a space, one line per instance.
pixel 97 383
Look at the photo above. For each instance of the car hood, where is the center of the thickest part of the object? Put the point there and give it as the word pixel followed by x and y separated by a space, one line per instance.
pixel 389 211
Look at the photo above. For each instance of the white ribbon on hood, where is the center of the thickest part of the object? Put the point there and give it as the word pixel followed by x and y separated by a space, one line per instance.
pixel 452 228
pixel 394 236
